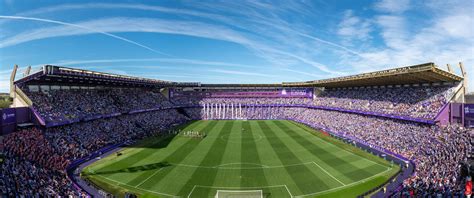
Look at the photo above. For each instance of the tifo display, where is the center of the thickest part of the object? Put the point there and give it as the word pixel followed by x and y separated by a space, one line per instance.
pixel 395 133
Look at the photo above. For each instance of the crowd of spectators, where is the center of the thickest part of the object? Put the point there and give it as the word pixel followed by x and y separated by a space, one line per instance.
pixel 416 102
pixel 26 170
pixel 70 104
pixel 35 160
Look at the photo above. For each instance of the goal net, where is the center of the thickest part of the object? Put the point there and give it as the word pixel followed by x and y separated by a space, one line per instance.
pixel 239 194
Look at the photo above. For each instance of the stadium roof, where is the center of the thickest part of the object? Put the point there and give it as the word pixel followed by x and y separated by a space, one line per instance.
pixel 50 74
pixel 416 74
pixel 422 73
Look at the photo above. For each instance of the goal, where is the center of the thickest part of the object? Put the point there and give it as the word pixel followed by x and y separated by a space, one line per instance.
pixel 239 194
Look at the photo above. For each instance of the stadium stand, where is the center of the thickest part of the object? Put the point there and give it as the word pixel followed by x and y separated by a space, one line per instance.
pixel 396 110
pixel 57 106
pixel 48 153
pixel 416 102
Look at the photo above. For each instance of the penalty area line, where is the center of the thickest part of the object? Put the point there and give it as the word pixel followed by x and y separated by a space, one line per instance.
pixel 343 149
pixel 142 189
pixel 157 171
pixel 240 188
pixel 189 195
pixel 351 184
pixel 332 176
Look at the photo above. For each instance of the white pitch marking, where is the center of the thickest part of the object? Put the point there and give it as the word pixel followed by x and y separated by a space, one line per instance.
pixel 189 195
pixel 351 184
pixel 234 187
pixel 305 195
pixel 241 168
pixel 261 165
pixel 291 195
pixel 149 177
pixel 363 157
pixel 146 190
pixel 328 173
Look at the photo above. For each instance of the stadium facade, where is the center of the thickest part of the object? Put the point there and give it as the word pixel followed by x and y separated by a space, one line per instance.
pixel 419 97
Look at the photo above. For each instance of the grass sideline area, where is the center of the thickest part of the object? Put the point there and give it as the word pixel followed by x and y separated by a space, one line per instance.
pixel 281 158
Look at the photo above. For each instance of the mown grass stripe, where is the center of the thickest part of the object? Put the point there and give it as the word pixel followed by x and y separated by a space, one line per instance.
pixel 288 157
pixel 214 156
pixel 174 157
pixel 144 150
pixel 334 143
pixel 342 165
pixel 249 155
pixel 321 176
pixel 331 176
pixel 331 179
pixel 228 172
pixel 357 157
pixel 131 167
pixel 214 172
pixel 274 176
pixel 163 179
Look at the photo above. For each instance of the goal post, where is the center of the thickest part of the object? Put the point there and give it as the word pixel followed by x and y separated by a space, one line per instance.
pixel 239 194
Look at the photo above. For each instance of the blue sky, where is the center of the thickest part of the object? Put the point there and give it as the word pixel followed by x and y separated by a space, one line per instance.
pixel 235 41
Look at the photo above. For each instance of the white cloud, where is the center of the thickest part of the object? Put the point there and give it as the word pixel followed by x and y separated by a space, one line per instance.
pixel 190 76
pixel 223 71
pixel 470 72
pixel 393 6
pixel 260 19
pixel 4 81
pixel 393 30
pixel 134 60
pixel 261 46
pixel 454 25
pixel 444 38
pixel 75 26
pixel 354 28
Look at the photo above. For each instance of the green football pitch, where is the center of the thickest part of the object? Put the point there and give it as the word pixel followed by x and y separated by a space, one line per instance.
pixel 276 158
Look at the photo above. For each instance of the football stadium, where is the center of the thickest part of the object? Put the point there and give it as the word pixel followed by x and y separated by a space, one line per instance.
pixel 236 99
pixel 399 132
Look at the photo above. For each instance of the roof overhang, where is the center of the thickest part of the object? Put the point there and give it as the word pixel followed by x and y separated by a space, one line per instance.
pixel 416 74
pixel 56 75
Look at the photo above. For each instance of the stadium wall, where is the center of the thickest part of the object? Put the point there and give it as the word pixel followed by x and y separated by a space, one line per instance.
pixel 457 113
pixel 11 117
pixel 443 117
pixel 8 121
pixel 469 115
